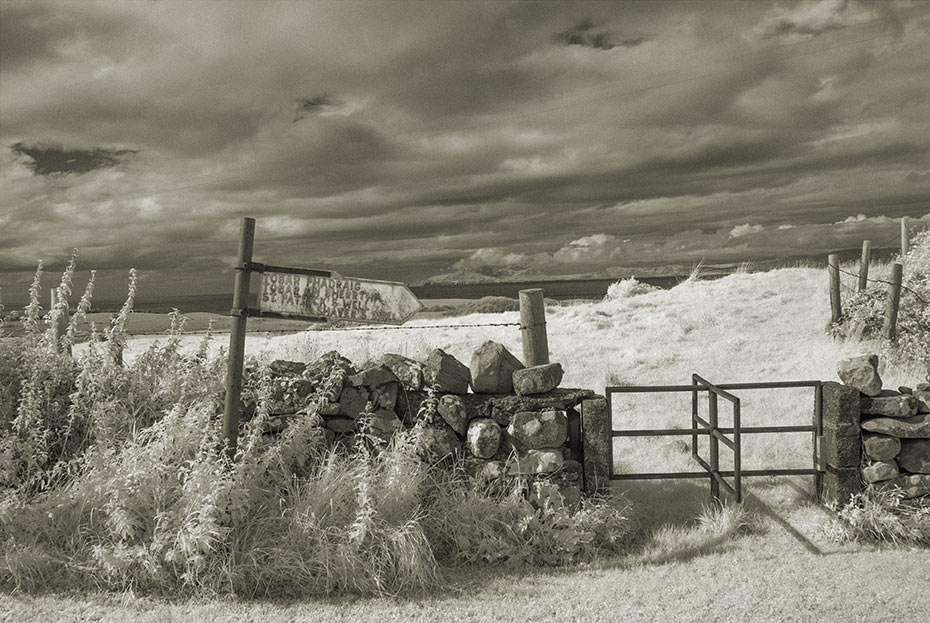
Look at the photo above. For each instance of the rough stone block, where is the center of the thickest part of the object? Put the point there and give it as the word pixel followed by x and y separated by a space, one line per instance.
pixel 915 456
pixel 840 409
pixel 492 368
pixel 917 426
pixel 385 396
pixel 841 451
pixel 371 377
pixel 384 423
pixel 281 367
pixel 597 444
pixel 880 447
pixel 289 395
pixel 922 394
pixel 407 371
pixel 537 379
pixel 861 372
pixel 913 485
pixel 446 372
pixel 483 437
pixel 352 401
pixel 902 405
pixel 839 484
pixel 535 462
pixel 453 411
pixel 339 424
pixel 879 470
pixel 538 429
pixel 439 443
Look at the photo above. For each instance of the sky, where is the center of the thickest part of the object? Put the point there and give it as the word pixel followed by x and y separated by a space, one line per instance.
pixel 403 140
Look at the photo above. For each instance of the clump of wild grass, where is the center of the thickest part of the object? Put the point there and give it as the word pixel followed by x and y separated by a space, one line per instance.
pixel 717 525
pixel 626 288
pixel 884 516
pixel 114 475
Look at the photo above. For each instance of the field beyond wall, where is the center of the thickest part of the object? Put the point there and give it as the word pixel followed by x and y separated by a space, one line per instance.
pixel 783 565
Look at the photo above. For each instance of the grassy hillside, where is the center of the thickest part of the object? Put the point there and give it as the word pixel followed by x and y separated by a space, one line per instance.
pixel 130 523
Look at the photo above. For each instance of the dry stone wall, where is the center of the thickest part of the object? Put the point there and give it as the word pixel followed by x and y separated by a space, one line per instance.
pixel 516 422
pixel 874 437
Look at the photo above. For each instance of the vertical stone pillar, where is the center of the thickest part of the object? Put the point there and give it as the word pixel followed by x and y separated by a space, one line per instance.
pixel 842 444
pixel 597 444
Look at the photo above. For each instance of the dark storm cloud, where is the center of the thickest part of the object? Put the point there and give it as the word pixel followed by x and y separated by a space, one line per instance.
pixel 45 160
pixel 389 136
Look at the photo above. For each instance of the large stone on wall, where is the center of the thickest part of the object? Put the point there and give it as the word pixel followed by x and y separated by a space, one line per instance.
pixel 879 470
pixel 536 462
pixel 917 426
pixel 538 429
pixel 900 405
pixel 453 411
pixel 597 444
pixel 880 447
pixel 289 395
pixel 384 423
pixel 439 443
pixel 483 437
pixel 352 401
pixel 922 394
pixel 492 368
pixel 281 367
pixel 915 456
pixel 385 396
pixel 840 409
pixel 371 377
pixel 446 372
pixel 537 379
pixel 407 371
pixel 862 373
pixel 912 485
pixel 339 424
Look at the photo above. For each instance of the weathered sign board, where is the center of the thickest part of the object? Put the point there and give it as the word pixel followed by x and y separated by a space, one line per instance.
pixel 316 295
pixel 304 294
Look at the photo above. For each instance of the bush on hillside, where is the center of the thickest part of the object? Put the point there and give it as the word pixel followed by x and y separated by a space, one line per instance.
pixel 863 312
pixel 625 288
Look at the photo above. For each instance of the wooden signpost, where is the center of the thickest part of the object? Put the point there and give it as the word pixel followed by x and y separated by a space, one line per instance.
pixel 302 294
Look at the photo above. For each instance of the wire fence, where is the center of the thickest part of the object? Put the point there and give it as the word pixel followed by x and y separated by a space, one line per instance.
pixel 422 327
pixel 903 287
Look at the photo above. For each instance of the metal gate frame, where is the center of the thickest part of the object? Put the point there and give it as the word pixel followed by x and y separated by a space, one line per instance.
pixel 718 434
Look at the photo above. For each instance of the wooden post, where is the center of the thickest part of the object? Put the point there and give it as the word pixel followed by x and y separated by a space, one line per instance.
pixel 892 302
pixel 864 265
pixel 904 239
pixel 533 327
pixel 237 336
pixel 836 305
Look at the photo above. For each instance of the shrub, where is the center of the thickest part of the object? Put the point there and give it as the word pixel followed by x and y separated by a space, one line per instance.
pixel 884 516
pixel 626 288
pixel 863 312
pixel 115 475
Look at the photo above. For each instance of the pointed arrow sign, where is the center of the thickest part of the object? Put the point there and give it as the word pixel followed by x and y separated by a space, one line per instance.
pixel 324 295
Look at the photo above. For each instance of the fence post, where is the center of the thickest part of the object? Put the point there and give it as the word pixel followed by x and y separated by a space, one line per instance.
pixel 904 239
pixel 864 265
pixel 237 336
pixel 892 302
pixel 836 305
pixel 533 327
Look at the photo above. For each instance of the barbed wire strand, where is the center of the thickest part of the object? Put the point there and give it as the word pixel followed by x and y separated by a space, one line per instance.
pixel 418 328
pixel 903 287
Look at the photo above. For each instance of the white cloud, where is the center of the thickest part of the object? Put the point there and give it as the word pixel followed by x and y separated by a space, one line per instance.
pixel 745 229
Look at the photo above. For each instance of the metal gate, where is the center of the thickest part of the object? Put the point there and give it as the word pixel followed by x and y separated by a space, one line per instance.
pixel 728 436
